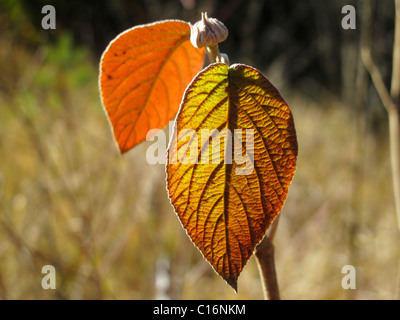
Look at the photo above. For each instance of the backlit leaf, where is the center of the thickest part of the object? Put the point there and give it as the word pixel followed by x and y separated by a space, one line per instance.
pixel 225 209
pixel 143 74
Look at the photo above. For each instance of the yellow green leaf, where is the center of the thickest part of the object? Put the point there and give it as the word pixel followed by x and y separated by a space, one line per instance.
pixel 224 201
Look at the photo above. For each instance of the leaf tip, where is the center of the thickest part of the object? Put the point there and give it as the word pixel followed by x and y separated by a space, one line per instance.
pixel 233 283
pixel 122 150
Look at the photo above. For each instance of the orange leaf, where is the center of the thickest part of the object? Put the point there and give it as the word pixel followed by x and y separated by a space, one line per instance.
pixel 226 210
pixel 143 74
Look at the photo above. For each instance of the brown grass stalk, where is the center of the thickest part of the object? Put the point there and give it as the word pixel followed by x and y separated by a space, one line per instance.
pixel 391 102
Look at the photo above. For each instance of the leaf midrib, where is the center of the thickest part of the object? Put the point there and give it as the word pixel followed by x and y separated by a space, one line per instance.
pixel 157 77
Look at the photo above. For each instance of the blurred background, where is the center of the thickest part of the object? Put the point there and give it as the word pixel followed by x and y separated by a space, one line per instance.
pixel 104 221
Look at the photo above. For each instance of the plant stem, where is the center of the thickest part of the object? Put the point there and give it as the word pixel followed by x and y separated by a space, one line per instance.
pixel 391 102
pixel 266 264
pixel 212 53
pixel 394 118
pixel 395 83
pixel 394 122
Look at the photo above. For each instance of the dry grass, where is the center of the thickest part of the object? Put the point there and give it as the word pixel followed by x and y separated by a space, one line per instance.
pixel 67 198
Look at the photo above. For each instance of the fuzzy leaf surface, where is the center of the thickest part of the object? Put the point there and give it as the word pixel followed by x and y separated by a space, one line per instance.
pixel 226 211
pixel 143 74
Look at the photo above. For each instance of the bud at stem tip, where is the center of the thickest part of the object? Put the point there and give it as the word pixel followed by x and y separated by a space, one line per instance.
pixel 207 32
